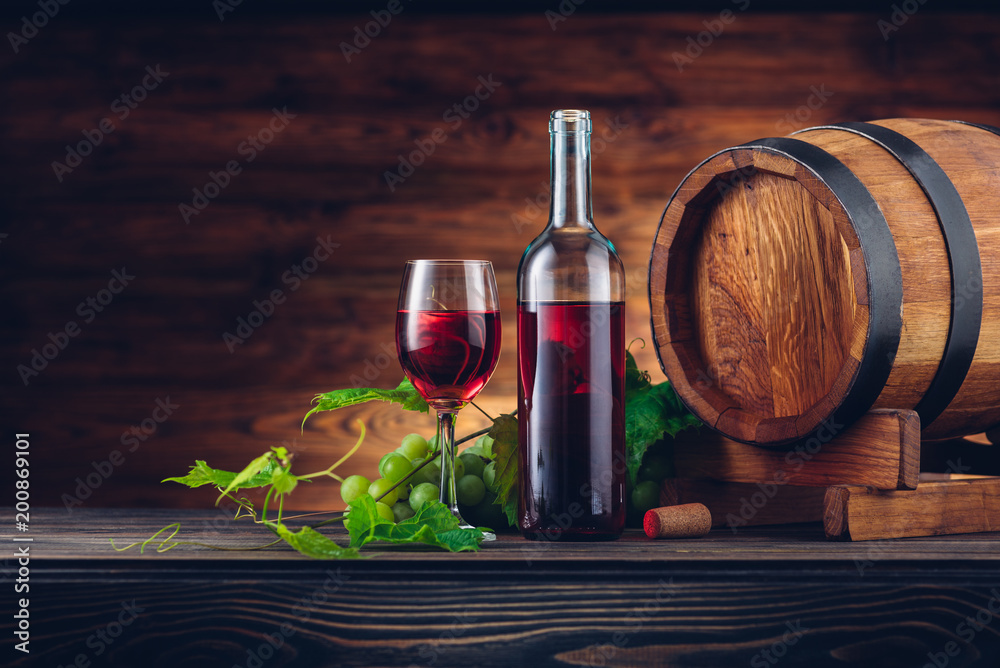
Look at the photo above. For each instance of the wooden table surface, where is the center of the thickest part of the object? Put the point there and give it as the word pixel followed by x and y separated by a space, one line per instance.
pixel 759 597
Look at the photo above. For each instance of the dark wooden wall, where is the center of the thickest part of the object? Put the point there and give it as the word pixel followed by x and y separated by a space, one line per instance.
pixel 323 176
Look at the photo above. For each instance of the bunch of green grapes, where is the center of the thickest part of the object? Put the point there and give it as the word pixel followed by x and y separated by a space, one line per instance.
pixel 407 481
pixel 657 466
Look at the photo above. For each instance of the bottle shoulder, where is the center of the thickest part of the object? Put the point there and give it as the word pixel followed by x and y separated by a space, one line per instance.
pixel 565 245
pixel 571 264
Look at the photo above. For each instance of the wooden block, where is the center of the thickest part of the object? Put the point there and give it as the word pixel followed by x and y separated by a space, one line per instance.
pixel 736 504
pixel 941 504
pixel 881 450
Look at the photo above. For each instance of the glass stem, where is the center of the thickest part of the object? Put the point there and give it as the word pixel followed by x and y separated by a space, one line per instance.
pixel 446 439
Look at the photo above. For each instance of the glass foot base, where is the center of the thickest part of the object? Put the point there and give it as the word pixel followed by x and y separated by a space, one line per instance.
pixel 462 524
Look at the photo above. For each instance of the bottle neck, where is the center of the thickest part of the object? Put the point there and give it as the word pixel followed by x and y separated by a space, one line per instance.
pixel 570 166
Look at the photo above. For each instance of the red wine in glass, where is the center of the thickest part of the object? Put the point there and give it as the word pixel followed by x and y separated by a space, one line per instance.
pixel 448 355
pixel 448 342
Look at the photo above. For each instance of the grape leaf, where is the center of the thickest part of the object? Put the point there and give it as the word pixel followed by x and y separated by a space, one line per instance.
pixel 283 481
pixel 255 467
pixel 361 520
pixel 650 412
pixel 405 395
pixel 203 474
pixel 434 525
pixel 504 435
pixel 313 544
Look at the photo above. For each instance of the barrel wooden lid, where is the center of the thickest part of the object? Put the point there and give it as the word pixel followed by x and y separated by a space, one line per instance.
pixel 759 296
pixel 797 282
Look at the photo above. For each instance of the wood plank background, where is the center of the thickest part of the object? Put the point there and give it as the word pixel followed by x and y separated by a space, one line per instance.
pixel 323 176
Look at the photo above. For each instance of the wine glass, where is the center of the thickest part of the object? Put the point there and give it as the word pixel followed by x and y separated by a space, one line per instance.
pixel 448 342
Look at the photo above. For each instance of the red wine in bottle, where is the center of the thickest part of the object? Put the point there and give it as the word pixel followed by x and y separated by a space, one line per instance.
pixel 571 359
pixel 575 438
pixel 448 354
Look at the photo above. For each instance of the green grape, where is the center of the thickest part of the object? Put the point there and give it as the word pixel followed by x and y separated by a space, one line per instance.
pixel 646 496
pixel 403 491
pixel 380 487
pixel 353 487
pixel 656 468
pixel 425 492
pixel 381 462
pixel 384 511
pixel 395 467
pixel 473 463
pixel 413 446
pixel 432 444
pixel 418 475
pixel 459 468
pixel 470 490
pixel 485 513
pixel 430 473
pixel 402 511
pixel 490 476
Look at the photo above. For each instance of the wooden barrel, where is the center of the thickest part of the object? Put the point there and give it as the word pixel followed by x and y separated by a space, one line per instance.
pixel 797 282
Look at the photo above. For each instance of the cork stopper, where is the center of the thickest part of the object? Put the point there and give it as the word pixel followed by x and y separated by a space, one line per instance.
pixel 688 520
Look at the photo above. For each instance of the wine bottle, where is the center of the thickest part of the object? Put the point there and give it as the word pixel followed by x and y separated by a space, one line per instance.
pixel 571 358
